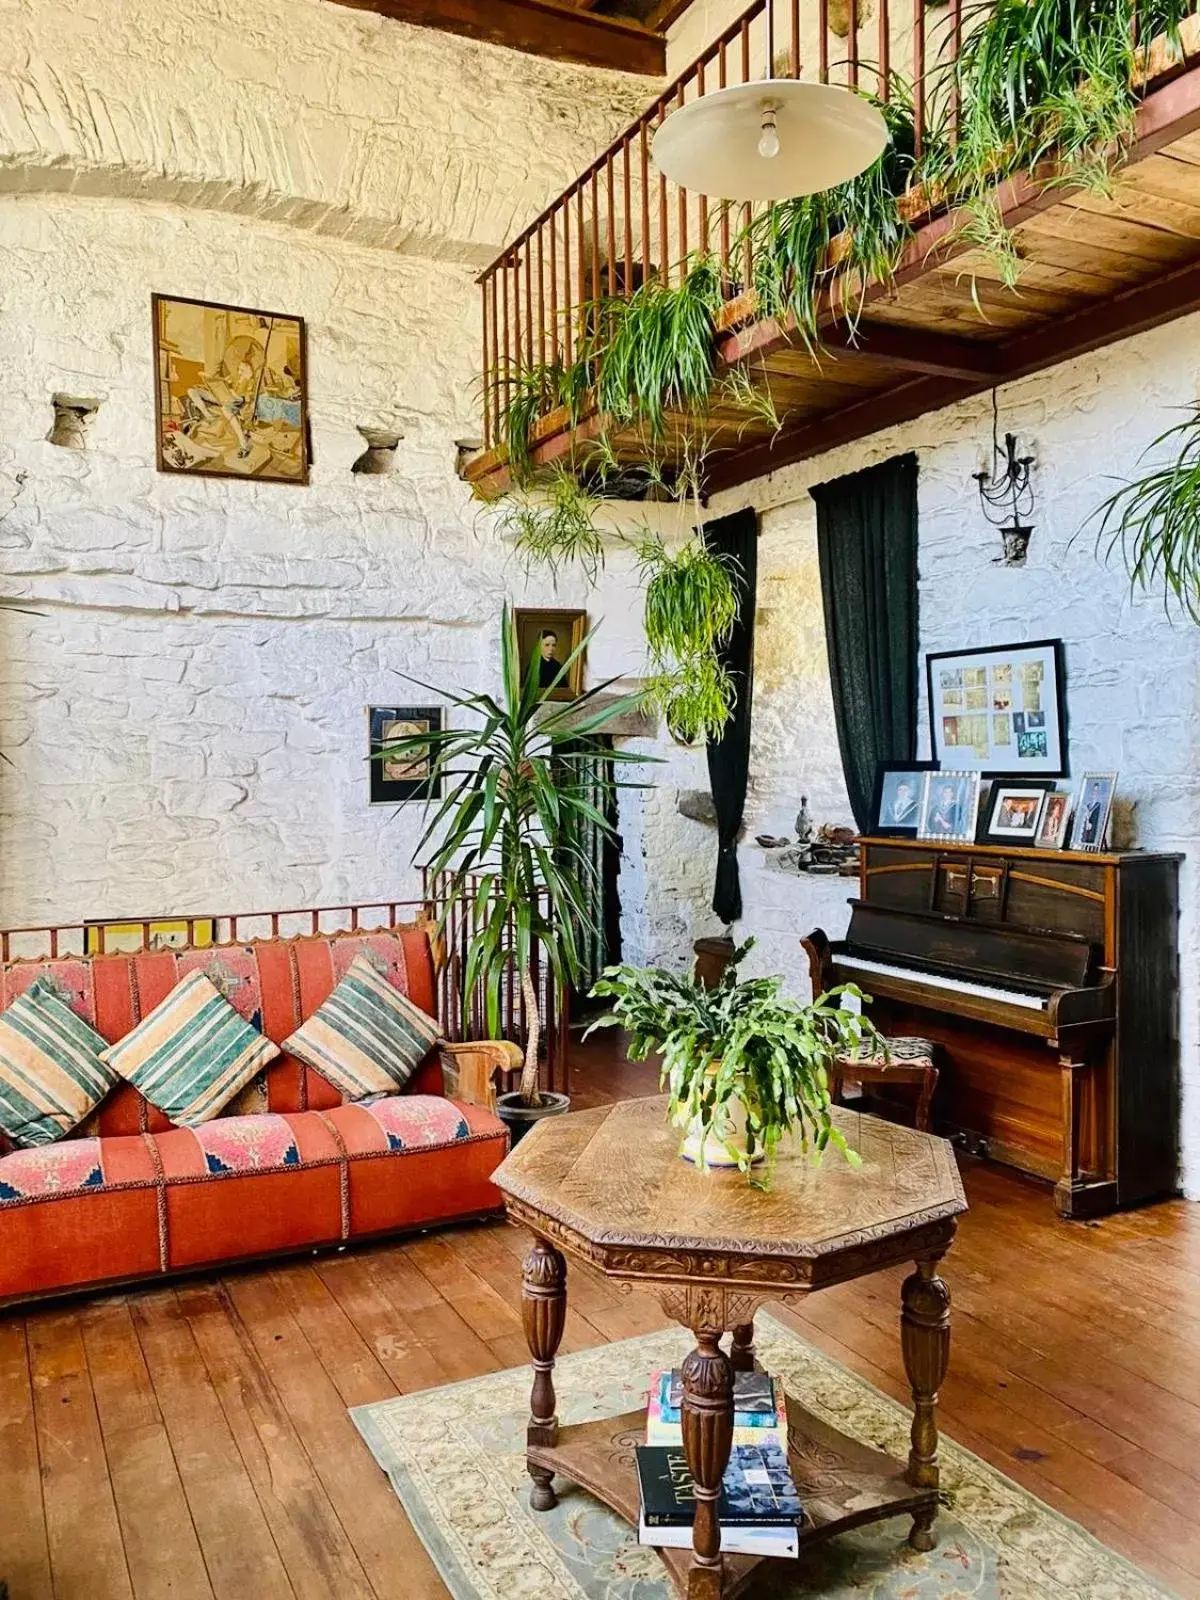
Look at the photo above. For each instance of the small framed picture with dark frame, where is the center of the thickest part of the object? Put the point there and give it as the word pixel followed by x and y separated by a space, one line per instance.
pixel 549 637
pixel 896 808
pixel 1056 814
pixel 949 807
pixel 1013 812
pixel 394 780
pixel 1089 831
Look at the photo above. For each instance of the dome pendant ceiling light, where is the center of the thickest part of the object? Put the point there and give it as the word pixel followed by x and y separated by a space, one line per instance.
pixel 771 140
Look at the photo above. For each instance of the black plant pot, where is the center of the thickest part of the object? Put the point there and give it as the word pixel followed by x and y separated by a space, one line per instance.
pixel 519 1118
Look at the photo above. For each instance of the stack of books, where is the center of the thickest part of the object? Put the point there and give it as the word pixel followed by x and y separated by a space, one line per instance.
pixel 759 1511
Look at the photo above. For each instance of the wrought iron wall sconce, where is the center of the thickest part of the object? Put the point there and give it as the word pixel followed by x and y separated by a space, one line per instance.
pixel 1006 494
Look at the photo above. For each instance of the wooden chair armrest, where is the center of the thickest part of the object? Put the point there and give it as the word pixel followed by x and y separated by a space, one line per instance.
pixel 470 1068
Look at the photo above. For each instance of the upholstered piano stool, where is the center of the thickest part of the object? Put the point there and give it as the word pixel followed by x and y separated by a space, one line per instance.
pixel 908 1060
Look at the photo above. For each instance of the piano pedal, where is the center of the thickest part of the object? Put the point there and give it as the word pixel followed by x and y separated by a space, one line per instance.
pixel 971 1144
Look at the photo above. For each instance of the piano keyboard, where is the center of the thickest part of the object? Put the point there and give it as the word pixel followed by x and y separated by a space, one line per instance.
pixel 934 980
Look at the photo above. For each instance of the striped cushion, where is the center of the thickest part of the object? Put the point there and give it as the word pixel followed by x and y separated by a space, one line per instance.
pixel 192 1053
pixel 367 1038
pixel 51 1071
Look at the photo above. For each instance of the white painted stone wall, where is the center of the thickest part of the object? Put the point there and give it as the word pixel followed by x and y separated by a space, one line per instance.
pixel 1132 671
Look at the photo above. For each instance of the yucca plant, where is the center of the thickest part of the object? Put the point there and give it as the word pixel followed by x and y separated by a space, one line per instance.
pixel 1155 520
pixel 509 839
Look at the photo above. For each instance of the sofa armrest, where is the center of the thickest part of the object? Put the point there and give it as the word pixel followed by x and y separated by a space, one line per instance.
pixel 470 1068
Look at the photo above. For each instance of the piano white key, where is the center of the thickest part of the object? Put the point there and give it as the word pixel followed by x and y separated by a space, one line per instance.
pixel 934 980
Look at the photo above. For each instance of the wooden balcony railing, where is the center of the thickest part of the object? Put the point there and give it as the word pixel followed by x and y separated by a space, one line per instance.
pixel 622 223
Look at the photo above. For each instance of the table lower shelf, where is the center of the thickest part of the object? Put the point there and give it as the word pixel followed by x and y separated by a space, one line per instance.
pixel 842 1483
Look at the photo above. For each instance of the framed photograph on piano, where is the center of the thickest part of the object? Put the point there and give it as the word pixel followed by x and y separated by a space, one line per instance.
pixel 949 807
pixel 1093 808
pixel 1000 709
pixel 1014 812
pixel 896 809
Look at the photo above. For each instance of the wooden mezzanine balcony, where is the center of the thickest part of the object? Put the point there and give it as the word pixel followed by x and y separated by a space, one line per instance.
pixel 1093 268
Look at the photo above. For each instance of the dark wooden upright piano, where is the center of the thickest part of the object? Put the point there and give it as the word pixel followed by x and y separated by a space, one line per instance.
pixel 1051 981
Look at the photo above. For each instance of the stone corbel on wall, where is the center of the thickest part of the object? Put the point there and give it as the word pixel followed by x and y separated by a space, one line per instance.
pixel 73 416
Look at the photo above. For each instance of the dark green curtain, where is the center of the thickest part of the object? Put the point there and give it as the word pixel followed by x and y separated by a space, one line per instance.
pixel 729 756
pixel 867 545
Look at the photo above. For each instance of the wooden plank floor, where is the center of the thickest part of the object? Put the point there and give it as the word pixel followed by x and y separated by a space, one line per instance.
pixel 192 1440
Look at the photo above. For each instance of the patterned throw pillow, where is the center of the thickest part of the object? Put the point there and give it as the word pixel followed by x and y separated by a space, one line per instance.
pixel 52 1073
pixel 192 1053
pixel 367 1038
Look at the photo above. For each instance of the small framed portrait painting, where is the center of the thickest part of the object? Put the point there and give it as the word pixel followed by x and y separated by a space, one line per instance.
pixel 549 638
pixel 1014 813
pixel 896 809
pixel 1052 829
pixel 1093 809
pixel 949 806
pixel 407 775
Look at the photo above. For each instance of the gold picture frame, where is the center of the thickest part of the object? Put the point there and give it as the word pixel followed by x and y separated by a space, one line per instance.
pixel 536 628
pixel 128 938
pixel 230 391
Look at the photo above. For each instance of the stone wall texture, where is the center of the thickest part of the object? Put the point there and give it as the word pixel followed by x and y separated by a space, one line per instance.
pixel 182 699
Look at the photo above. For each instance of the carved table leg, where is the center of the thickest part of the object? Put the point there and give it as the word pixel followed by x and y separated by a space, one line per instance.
pixel 543 1311
pixel 707 1417
pixel 925 1340
pixel 742 1353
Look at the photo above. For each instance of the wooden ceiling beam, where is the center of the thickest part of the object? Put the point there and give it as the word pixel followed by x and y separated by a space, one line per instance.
pixel 551 28
pixel 938 355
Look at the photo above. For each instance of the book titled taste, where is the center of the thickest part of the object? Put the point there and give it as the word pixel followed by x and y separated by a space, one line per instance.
pixel 757 1489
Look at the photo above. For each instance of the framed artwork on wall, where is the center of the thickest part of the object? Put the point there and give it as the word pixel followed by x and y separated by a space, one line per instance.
pixel 896 808
pixel 949 806
pixel 127 938
pixel 1052 829
pixel 550 636
pixel 230 392
pixel 404 777
pixel 999 709
pixel 1093 810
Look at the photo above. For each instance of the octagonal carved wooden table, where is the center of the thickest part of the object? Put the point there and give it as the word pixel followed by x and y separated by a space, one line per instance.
pixel 609 1187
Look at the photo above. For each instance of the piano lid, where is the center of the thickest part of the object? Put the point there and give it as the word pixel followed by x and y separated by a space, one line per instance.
pixel 964 948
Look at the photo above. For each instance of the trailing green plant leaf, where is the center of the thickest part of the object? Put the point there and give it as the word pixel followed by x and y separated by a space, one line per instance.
pixel 656 350
pixel 741 1040
pixel 690 608
pixel 554 525
pixel 1155 520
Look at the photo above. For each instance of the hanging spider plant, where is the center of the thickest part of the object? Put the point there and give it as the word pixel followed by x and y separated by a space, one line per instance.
pixel 552 523
pixel 1155 520
pixel 656 350
pixel 690 609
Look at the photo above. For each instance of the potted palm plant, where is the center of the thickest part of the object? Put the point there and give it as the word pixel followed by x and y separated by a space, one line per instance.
pixel 525 782
pixel 743 1065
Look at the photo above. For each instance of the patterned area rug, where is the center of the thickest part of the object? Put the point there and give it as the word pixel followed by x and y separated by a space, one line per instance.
pixel 455 1457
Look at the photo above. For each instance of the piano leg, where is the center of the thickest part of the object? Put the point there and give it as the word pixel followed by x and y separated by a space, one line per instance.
pixel 925 1342
pixel 1087 1187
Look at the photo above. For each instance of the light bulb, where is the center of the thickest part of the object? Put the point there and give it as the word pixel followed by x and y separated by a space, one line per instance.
pixel 768 144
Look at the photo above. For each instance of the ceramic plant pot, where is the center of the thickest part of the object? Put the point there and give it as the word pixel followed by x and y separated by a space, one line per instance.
pixel 518 1118
pixel 725 1141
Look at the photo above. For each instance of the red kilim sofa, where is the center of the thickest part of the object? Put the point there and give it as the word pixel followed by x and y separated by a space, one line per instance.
pixel 288 1166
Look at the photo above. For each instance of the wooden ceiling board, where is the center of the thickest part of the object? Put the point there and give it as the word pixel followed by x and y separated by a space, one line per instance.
pixel 554 28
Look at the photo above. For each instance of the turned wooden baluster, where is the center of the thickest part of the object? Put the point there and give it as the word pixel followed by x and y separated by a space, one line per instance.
pixel 742 1352
pixel 925 1341
pixel 543 1311
pixel 707 1417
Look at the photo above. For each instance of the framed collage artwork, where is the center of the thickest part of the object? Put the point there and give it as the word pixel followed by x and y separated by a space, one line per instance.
pixel 999 709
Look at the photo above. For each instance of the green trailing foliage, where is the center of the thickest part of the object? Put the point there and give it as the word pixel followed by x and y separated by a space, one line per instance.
pixel 510 839
pixel 1155 520
pixel 690 609
pixel 552 524
pixel 741 1040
